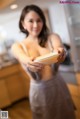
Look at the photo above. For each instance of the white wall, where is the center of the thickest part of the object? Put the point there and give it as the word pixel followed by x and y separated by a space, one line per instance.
pixel 9 22
pixel 57 21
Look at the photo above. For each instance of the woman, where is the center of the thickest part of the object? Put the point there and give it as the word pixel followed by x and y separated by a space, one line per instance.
pixel 49 96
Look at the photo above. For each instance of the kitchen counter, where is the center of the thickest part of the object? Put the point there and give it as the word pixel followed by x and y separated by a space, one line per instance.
pixel 7 60
pixel 14 82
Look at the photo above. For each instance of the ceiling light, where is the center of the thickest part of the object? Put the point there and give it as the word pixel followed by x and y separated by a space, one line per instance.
pixel 13 6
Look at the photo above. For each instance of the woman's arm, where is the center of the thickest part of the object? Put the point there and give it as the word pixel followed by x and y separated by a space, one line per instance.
pixel 19 53
pixel 56 41
pixel 58 46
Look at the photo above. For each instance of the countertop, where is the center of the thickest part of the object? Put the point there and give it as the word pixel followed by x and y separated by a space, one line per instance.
pixel 7 60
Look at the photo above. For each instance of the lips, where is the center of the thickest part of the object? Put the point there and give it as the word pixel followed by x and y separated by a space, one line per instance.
pixel 35 30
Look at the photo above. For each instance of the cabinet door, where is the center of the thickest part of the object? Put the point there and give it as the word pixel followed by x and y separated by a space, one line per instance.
pixel 4 96
pixel 15 86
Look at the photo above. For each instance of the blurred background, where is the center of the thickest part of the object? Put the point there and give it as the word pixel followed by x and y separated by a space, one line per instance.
pixel 63 19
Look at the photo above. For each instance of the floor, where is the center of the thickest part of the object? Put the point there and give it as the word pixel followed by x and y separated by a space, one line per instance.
pixel 20 110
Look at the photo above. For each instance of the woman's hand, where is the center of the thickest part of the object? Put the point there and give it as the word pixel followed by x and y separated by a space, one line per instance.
pixel 34 66
pixel 62 54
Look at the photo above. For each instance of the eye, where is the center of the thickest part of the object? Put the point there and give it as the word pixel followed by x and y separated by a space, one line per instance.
pixel 39 20
pixel 31 21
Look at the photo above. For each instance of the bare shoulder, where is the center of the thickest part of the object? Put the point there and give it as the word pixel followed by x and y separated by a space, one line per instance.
pixel 56 40
pixel 18 44
pixel 54 37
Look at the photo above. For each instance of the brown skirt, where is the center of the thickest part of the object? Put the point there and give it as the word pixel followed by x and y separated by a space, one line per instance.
pixel 51 99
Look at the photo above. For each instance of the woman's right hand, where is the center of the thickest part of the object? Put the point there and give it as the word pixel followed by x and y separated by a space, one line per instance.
pixel 33 66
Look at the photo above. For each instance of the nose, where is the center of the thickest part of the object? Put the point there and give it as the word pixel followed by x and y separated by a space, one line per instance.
pixel 35 24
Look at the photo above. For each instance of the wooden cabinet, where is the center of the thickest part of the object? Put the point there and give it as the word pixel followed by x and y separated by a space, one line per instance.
pixel 14 85
pixel 4 96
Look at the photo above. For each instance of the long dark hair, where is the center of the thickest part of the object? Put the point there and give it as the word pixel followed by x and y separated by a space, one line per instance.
pixel 43 36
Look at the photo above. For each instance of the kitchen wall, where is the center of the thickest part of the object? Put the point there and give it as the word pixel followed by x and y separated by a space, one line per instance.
pixel 56 19
pixel 9 21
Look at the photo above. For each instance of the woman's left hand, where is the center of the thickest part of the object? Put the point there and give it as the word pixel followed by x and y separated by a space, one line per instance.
pixel 62 54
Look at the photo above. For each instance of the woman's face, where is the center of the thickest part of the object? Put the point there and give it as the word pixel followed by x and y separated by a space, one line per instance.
pixel 33 23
